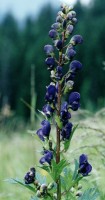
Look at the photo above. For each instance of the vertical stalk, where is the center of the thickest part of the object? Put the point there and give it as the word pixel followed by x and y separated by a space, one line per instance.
pixel 58 129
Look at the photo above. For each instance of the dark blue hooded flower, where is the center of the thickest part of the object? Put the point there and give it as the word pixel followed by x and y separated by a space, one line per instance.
pixel 48 156
pixel 44 131
pixel 65 115
pixel 84 166
pixel 48 49
pixel 51 93
pixel 48 110
pixel 53 34
pixel 59 72
pixel 46 127
pixel 40 134
pixel 66 131
pixel 30 176
pixel 69 29
pixel 75 66
pixel 76 39
pixel 70 52
pixel 50 61
pixel 56 25
pixel 59 44
pixel 74 99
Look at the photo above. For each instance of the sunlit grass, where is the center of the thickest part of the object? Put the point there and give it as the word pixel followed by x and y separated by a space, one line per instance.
pixel 18 152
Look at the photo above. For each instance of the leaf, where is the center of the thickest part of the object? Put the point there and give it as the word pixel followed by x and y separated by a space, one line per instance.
pixel 67 143
pixel 89 194
pixel 58 121
pixel 58 168
pixel 16 180
pixel 75 174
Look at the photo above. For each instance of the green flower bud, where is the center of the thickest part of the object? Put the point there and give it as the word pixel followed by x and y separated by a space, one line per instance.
pixel 50 186
pixel 79 187
pixel 79 193
pixel 38 193
pixel 55 196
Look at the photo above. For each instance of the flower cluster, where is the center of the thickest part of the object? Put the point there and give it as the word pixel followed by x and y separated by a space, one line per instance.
pixel 60 55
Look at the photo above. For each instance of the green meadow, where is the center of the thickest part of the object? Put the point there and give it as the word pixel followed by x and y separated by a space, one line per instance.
pixel 19 151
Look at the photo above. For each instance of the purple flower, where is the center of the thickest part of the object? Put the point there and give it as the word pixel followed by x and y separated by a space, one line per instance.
pixel 84 167
pixel 48 156
pixel 48 110
pixel 51 93
pixel 53 34
pixel 70 52
pixel 75 66
pixel 65 116
pixel 59 72
pixel 46 127
pixel 44 131
pixel 76 39
pixel 71 76
pixel 59 19
pixel 66 131
pixel 71 15
pixel 30 176
pixel 56 25
pixel 64 106
pixel 48 49
pixel 70 29
pixel 74 96
pixel 59 44
pixel 74 20
pixel 40 134
pixel 50 61
pixel 74 99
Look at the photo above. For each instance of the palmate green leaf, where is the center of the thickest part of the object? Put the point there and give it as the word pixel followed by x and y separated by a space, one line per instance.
pixel 89 194
pixel 75 174
pixel 58 168
pixel 58 121
pixel 21 182
pixel 67 143
pixel 66 178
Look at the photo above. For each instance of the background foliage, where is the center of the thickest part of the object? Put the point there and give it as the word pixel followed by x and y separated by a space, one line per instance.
pixel 21 45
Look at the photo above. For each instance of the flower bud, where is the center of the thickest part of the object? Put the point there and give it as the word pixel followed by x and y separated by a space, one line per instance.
pixel 55 196
pixel 38 193
pixel 70 29
pixel 50 186
pixel 48 49
pixel 59 44
pixel 70 52
pixel 75 66
pixel 59 19
pixel 53 34
pixel 74 20
pixel 79 193
pixel 71 15
pixel 76 39
pixel 79 187
pixel 56 25
pixel 50 61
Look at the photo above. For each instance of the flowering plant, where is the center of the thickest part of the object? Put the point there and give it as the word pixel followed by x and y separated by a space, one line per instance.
pixel 65 183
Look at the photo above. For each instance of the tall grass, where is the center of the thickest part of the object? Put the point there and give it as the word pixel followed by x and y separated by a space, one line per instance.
pixel 18 153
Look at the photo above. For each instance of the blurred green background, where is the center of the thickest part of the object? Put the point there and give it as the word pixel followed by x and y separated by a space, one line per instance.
pixel 21 46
